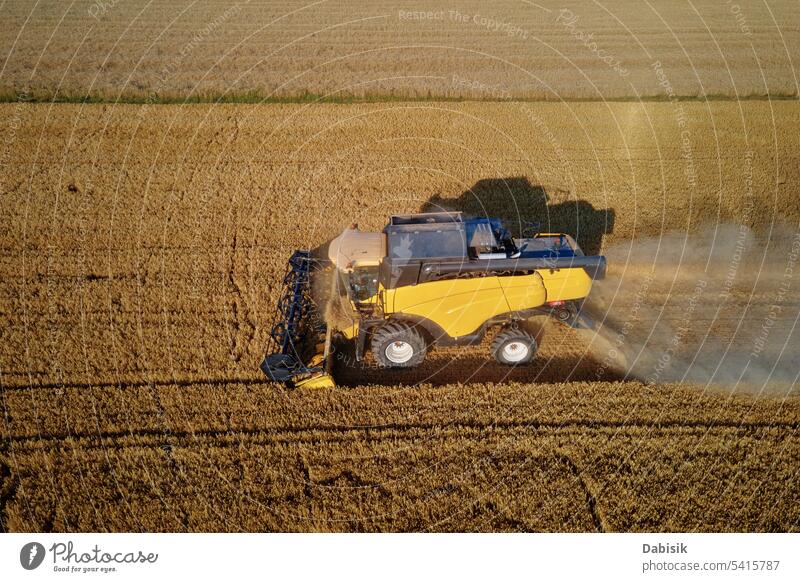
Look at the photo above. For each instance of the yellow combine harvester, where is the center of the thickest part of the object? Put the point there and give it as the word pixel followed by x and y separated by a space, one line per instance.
pixel 433 278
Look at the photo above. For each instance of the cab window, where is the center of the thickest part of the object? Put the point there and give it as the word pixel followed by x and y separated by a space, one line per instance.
pixel 364 283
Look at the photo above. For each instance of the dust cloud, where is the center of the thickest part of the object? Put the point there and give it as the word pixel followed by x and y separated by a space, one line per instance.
pixel 718 307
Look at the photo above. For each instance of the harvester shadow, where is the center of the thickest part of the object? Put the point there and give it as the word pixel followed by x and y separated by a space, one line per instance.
pixel 520 204
pixel 442 368
pixel 562 358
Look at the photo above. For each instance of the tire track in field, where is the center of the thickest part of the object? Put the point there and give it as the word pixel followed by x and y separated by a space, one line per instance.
pixel 244 329
pixel 332 434
pixel 591 499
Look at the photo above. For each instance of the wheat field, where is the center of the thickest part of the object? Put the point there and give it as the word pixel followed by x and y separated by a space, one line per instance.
pixel 478 457
pixel 538 50
pixel 142 251
pixel 148 243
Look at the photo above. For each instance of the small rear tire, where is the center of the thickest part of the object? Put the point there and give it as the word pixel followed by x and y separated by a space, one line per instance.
pixel 514 346
pixel 398 345
pixel 566 314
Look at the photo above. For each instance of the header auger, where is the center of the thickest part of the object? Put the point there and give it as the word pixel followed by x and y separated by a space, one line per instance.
pixel 426 279
pixel 299 334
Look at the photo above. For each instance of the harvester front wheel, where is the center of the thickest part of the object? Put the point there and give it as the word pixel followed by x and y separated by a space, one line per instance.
pixel 514 346
pixel 398 345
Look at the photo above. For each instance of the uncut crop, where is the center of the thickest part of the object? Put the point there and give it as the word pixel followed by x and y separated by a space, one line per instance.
pixel 391 49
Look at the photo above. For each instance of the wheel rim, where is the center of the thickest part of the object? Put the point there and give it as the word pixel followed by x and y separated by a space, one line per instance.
pixel 399 352
pixel 515 351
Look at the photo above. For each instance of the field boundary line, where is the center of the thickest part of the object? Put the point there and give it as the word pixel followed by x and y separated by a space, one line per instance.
pixel 258 97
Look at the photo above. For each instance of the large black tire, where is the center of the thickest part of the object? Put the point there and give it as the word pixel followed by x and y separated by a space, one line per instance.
pixel 398 345
pixel 514 346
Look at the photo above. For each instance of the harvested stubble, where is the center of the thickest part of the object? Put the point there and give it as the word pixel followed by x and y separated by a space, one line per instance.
pixel 142 251
pixel 148 243
pixel 559 457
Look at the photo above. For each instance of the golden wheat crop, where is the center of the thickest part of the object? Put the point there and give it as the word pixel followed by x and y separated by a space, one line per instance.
pixel 143 248
pixel 464 48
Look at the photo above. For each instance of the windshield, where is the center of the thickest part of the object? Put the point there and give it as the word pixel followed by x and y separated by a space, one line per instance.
pixel 363 283
pixel 424 244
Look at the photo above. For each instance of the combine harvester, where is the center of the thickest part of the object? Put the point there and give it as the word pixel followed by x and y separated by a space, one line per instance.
pixel 433 278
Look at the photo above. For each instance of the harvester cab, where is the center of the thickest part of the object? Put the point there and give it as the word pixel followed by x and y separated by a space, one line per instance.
pixel 426 279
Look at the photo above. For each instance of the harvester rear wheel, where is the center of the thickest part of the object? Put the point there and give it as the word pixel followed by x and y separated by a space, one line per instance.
pixel 514 346
pixel 398 345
